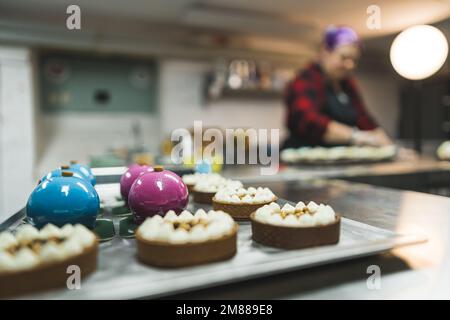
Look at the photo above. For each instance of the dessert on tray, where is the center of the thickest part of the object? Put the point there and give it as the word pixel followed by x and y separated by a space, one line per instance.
pixel 240 203
pixel 205 189
pixel 58 173
pixel 337 154
pixel 186 239
pixel 63 199
pixel 128 178
pixel 296 227
pixel 32 260
pixel 443 151
pixel 83 170
pixel 156 192
pixel 191 179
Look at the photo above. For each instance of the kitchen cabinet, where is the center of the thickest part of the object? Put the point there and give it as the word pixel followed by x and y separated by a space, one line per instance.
pixel 434 100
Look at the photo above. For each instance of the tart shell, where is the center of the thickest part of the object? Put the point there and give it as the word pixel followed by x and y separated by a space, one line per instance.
pixel 162 254
pixel 285 237
pixel 47 276
pixel 203 197
pixel 239 211
pixel 190 187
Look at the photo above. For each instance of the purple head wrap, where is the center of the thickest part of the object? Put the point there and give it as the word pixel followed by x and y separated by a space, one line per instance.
pixel 338 36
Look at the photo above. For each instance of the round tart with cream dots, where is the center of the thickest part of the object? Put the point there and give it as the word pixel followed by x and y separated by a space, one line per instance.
pixel 295 227
pixel 30 247
pixel 186 239
pixel 29 254
pixel 301 215
pixel 248 196
pixel 187 227
pixel 205 189
pixel 191 179
pixel 215 183
pixel 240 203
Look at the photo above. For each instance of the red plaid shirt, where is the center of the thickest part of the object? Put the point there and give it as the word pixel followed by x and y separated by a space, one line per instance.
pixel 305 99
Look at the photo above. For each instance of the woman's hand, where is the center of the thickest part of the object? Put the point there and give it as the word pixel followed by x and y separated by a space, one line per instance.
pixel 338 133
pixel 376 138
pixel 382 138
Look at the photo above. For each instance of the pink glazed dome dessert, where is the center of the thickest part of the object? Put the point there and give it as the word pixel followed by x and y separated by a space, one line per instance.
pixel 128 178
pixel 155 193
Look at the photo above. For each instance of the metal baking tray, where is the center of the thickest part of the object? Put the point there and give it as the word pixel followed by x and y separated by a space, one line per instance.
pixel 341 162
pixel 121 276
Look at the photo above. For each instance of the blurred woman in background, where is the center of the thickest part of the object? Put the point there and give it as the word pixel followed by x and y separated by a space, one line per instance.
pixel 324 106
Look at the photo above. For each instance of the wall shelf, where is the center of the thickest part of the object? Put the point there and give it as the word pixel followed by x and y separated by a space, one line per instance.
pixel 251 94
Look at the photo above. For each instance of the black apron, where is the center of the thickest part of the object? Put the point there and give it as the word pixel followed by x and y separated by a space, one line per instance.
pixel 339 107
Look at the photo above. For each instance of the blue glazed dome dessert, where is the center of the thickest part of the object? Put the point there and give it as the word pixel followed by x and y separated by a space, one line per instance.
pixel 58 173
pixel 83 170
pixel 63 200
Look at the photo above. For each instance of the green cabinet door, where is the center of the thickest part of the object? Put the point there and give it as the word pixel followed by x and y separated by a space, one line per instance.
pixel 81 83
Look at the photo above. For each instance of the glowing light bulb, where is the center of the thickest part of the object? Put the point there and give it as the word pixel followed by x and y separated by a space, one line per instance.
pixel 418 52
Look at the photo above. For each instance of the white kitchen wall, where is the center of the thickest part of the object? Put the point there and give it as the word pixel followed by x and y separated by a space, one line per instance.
pixel 16 130
pixel 69 136
pixel 181 102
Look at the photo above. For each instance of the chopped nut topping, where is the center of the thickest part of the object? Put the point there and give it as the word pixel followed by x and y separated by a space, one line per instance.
pixel 189 225
pixel 35 245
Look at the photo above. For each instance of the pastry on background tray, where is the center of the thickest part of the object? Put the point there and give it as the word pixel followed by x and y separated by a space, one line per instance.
pixel 186 239
pixel 338 153
pixel 32 260
pixel 296 227
pixel 240 203
pixel 443 151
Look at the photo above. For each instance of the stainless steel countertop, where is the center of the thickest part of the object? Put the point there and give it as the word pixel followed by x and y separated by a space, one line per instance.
pixel 418 271
pixel 252 174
